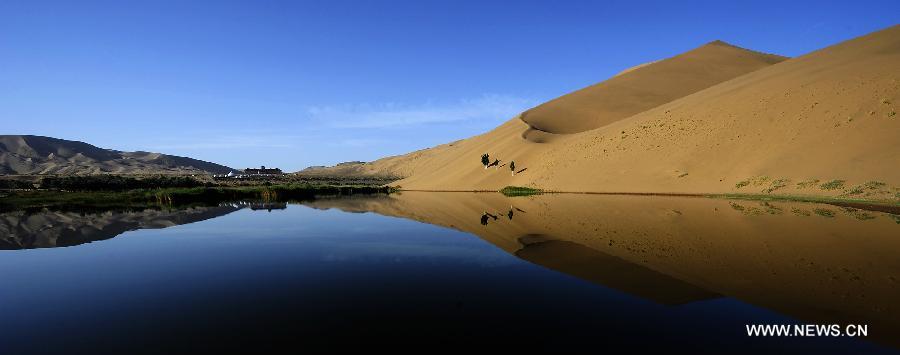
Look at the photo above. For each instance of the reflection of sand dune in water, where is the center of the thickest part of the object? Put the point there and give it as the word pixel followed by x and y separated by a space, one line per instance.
pixel 49 229
pixel 819 263
pixel 600 268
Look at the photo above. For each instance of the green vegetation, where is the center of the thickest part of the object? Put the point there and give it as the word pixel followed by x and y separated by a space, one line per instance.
pixel 877 205
pixel 800 212
pixel 759 180
pixel 755 181
pixel 856 190
pixel 856 208
pixel 858 213
pixel 266 193
pixel 777 184
pixel 771 209
pixel 807 183
pixel 833 185
pixel 72 201
pixel 76 200
pixel 116 182
pixel 862 216
pixel 824 212
pixel 9 184
pixel 764 208
pixel 520 191
pixel 874 185
pixel 867 187
pixel 113 182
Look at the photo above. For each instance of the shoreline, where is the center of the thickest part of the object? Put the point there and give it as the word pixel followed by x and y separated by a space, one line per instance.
pixel 32 198
pixel 870 205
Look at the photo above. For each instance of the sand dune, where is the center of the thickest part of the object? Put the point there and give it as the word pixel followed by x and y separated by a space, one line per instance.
pixel 824 123
pixel 45 155
pixel 631 91
pixel 646 86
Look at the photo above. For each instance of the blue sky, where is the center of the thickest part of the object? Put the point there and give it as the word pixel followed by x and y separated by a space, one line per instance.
pixel 293 84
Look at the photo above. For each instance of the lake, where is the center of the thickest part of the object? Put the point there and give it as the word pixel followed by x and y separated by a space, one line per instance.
pixel 434 271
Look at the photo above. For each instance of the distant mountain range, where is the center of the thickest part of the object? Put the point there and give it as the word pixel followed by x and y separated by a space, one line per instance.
pixel 22 154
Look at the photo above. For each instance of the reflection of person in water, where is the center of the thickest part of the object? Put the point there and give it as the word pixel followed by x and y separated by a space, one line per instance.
pixel 485 216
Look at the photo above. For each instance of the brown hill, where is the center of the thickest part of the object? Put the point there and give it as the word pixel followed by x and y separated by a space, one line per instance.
pixel 45 155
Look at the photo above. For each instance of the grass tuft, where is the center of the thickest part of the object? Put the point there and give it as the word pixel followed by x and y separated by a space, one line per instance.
pixel 824 212
pixel 807 183
pixel 833 185
pixel 800 212
pixel 777 184
pixel 520 191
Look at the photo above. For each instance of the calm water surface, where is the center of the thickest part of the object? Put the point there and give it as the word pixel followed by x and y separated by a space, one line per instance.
pixel 452 270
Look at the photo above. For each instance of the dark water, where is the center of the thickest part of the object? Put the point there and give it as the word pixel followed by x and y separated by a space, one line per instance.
pixel 234 279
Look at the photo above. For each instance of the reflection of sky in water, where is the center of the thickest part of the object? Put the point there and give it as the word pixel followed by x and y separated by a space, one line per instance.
pixel 339 237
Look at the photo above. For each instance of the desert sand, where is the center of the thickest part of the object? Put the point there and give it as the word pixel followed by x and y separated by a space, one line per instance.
pixel 717 119
pixel 840 263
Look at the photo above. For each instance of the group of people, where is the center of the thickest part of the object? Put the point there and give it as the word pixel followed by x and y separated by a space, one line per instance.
pixel 486 216
pixel 486 161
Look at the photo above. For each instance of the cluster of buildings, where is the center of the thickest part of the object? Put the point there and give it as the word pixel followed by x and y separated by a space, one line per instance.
pixel 251 173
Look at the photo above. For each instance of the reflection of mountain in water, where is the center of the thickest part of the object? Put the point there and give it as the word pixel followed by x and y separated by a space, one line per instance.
pixel 49 229
pixel 819 263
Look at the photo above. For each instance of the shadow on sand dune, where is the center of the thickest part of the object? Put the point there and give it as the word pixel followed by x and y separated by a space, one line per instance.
pixel 534 134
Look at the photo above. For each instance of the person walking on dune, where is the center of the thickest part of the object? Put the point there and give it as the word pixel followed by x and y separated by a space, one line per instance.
pixel 512 168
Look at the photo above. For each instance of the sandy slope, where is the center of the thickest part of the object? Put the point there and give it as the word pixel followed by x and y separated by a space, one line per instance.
pixel 22 154
pixel 785 129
